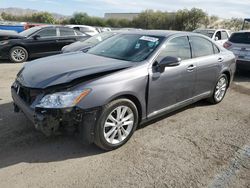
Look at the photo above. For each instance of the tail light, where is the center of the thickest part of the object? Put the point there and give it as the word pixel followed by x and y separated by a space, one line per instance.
pixel 227 45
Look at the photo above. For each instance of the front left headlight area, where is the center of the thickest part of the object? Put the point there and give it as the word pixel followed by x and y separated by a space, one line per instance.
pixel 4 42
pixel 65 99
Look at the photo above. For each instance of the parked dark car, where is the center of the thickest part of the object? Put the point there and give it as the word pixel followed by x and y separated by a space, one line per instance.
pixel 88 43
pixel 38 41
pixel 124 81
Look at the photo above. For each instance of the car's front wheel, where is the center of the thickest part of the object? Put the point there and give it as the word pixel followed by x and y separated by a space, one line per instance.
pixel 18 54
pixel 116 124
pixel 220 90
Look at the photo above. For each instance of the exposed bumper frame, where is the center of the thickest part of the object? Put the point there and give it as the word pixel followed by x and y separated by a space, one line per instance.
pixel 50 120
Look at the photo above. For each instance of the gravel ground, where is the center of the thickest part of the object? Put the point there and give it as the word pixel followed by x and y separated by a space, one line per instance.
pixel 201 145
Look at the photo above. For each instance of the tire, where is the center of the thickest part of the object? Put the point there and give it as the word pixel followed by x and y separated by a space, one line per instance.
pixel 108 127
pixel 220 90
pixel 18 54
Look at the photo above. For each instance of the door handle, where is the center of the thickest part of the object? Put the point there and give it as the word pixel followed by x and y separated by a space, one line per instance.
pixel 190 68
pixel 220 59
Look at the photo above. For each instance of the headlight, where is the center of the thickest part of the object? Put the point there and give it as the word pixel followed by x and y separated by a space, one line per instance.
pixel 63 99
pixel 4 42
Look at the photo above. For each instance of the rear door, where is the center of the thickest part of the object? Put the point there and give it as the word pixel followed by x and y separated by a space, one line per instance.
pixel 208 59
pixel 66 37
pixel 175 84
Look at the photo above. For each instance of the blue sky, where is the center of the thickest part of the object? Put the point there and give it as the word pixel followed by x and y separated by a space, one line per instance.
pixel 222 8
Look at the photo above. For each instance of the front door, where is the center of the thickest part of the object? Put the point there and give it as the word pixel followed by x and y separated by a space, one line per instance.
pixel 44 44
pixel 175 85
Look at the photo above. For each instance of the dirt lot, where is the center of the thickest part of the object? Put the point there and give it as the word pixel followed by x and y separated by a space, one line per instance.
pixel 200 146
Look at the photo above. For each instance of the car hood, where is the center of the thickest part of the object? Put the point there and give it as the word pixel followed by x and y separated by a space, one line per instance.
pixel 6 35
pixel 65 68
pixel 76 46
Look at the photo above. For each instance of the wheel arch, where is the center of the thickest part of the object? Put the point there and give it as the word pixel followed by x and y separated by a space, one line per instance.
pixel 132 98
pixel 228 75
pixel 20 45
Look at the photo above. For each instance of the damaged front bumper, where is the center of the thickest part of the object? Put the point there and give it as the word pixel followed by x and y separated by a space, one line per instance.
pixel 52 121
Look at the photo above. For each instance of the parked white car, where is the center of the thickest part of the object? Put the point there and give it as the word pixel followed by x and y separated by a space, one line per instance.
pixel 85 29
pixel 219 35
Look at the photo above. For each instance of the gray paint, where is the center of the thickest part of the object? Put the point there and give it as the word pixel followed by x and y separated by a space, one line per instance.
pixel 156 92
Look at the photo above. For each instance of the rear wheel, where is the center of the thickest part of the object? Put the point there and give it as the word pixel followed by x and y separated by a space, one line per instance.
pixel 220 90
pixel 116 125
pixel 18 54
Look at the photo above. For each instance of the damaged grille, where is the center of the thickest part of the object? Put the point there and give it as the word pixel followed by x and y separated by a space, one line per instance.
pixel 27 94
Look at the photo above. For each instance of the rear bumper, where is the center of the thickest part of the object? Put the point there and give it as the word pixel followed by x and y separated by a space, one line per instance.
pixel 243 65
pixel 49 121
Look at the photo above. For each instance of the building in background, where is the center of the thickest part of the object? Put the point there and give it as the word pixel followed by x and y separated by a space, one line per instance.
pixel 127 16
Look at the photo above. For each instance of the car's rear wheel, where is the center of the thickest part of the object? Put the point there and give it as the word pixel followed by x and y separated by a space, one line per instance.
pixel 116 125
pixel 220 90
pixel 18 54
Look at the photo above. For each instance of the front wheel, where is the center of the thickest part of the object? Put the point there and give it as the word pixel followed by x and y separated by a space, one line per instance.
pixel 18 54
pixel 116 124
pixel 220 90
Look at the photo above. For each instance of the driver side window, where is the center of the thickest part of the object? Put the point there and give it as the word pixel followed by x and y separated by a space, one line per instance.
pixel 47 33
pixel 218 35
pixel 177 47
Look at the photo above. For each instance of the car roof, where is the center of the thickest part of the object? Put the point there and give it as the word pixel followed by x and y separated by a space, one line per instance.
pixel 205 29
pixel 243 31
pixel 160 33
pixel 51 26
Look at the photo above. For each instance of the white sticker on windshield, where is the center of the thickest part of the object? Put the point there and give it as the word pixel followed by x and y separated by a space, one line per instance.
pixel 150 39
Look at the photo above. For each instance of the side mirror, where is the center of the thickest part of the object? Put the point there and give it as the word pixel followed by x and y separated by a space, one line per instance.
pixel 35 37
pixel 86 49
pixel 168 61
pixel 216 38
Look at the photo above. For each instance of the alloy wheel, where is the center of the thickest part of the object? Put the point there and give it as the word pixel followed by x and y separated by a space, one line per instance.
pixel 18 55
pixel 220 89
pixel 118 125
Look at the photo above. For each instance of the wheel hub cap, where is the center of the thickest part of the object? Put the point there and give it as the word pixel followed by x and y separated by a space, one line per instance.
pixel 18 55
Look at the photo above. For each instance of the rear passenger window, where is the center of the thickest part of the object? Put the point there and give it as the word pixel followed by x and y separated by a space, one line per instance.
pixel 201 46
pixel 177 47
pixel 224 35
pixel 67 32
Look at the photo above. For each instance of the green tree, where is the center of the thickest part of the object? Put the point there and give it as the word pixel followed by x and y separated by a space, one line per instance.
pixel 43 17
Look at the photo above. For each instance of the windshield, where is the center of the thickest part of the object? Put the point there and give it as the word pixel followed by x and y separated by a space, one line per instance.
pixel 97 38
pixel 208 33
pixel 29 32
pixel 128 47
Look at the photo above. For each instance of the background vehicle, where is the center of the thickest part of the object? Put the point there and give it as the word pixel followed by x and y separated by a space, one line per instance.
pixel 125 80
pixel 88 43
pixel 246 24
pixel 239 44
pixel 37 42
pixel 218 35
pixel 85 29
pixel 13 26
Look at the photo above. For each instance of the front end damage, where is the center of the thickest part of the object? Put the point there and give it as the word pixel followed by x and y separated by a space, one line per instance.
pixel 69 120
pixel 54 121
